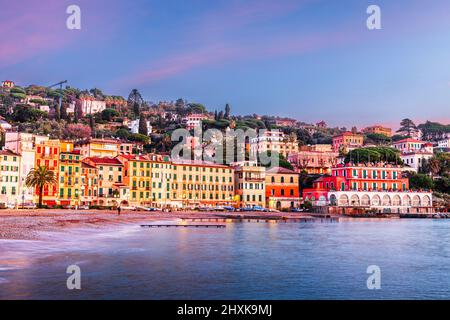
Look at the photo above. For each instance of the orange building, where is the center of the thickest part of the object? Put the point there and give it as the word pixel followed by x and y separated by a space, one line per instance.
pixel 282 189
pixel 377 129
pixel 348 140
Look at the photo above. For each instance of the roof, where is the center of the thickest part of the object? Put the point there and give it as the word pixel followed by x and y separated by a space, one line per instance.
pixel 104 160
pixel 408 140
pixel 7 152
pixel 87 165
pixel 280 170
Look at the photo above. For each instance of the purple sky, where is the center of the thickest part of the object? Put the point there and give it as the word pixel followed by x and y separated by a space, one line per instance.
pixel 308 59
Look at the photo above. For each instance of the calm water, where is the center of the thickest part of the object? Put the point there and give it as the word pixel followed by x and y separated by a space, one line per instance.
pixel 243 261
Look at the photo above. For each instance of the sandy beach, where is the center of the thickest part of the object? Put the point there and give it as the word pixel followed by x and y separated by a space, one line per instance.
pixel 31 224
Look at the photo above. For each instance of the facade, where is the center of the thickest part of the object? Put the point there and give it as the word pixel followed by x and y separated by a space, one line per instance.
pixel 161 178
pixel 137 178
pixel 250 184
pixel 377 129
pixel 9 178
pixel 194 120
pixel 5 126
pixel 282 189
pixel 133 125
pixel 313 161
pixel 70 178
pixel 90 106
pixel 48 154
pixel 444 144
pixel 380 187
pixel 285 122
pixel 275 141
pixel 25 145
pixel 415 159
pixel 89 184
pixel 99 148
pixel 112 191
pixel 348 141
pixel 201 183
pixel 411 145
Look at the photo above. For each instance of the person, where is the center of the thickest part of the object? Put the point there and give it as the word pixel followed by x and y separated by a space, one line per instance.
pixel 118 210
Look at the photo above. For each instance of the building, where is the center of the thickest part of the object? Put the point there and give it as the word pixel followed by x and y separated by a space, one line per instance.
pixel 162 179
pixel 321 124
pixel 380 187
pixel 112 191
pixel 133 125
pixel 314 160
pixel 348 141
pixel 415 159
pixel 285 122
pixel 99 148
pixel 282 189
pixel 201 183
pixel 25 145
pixel 411 145
pixel 5 126
pixel 444 143
pixel 47 153
pixel 70 177
pixel 274 141
pixel 137 178
pixel 377 129
pixel 194 120
pixel 89 184
pixel 90 106
pixel 9 178
pixel 8 84
pixel 250 184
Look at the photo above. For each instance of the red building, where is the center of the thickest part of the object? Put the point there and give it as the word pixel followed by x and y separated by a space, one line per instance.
pixel 282 188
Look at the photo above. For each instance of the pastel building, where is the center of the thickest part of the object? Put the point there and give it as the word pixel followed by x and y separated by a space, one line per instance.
pixel 89 184
pixel 99 147
pixel 282 188
pixel 194 120
pixel 377 129
pixel 348 141
pixel 380 187
pixel 314 160
pixel 250 184
pixel 69 180
pixel 90 106
pixel 9 178
pixel 275 141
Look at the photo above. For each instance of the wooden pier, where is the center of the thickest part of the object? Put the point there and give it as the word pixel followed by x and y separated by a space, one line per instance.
pixel 183 225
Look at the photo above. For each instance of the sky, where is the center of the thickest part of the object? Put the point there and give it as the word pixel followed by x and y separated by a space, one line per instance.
pixel 310 60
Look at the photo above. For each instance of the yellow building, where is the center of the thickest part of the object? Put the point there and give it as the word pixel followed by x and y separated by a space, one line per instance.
pixel 249 184
pixel 377 129
pixel 69 181
pixel 201 183
pixel 99 148
pixel 9 178
pixel 112 191
pixel 137 177
pixel 161 180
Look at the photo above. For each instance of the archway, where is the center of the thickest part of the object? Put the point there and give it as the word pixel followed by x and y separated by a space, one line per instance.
pixel 354 200
pixel 426 201
pixel 407 201
pixel 416 201
pixel 376 201
pixel 365 200
pixel 386 200
pixel 396 201
pixel 343 200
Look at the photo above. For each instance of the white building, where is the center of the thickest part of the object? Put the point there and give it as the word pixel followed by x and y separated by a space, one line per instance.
pixel 24 144
pixel 275 141
pixel 90 106
pixel 445 143
pixel 5 125
pixel 415 159
pixel 194 120
pixel 133 125
pixel 409 144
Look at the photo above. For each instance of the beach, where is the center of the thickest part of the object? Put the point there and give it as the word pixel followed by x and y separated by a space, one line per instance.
pixel 34 224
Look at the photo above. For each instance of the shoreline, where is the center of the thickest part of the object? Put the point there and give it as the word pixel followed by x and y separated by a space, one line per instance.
pixel 31 225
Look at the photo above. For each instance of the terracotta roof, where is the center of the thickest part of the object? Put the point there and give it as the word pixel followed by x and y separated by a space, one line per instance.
pixel 104 160
pixel 408 140
pixel 7 152
pixel 280 170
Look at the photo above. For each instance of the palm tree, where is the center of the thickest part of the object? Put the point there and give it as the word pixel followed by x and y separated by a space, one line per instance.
pixel 38 178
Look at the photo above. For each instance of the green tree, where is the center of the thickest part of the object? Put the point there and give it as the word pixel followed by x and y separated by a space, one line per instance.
pixel 135 101
pixel 109 114
pixel 143 128
pixel 40 177
pixel 420 181
pixel 227 111
pixel 407 127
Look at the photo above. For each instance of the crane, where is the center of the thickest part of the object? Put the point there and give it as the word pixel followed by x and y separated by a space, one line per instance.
pixel 60 94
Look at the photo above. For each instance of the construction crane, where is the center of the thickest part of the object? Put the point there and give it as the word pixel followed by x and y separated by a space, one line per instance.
pixel 60 93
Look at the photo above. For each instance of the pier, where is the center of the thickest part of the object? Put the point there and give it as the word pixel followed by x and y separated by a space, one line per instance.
pixel 183 225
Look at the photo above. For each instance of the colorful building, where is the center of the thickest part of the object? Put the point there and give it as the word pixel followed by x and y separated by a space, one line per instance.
pixel 161 177
pixel 250 184
pixel 99 148
pixel 348 141
pixel 194 120
pixel 48 154
pixel 380 187
pixel 9 178
pixel 282 189
pixel 412 145
pixel 112 191
pixel 275 141
pixel 70 177
pixel 201 183
pixel 377 129
pixel 89 184
pixel 313 161
pixel 137 178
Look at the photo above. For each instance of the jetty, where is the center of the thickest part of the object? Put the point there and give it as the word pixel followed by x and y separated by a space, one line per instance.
pixel 183 225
